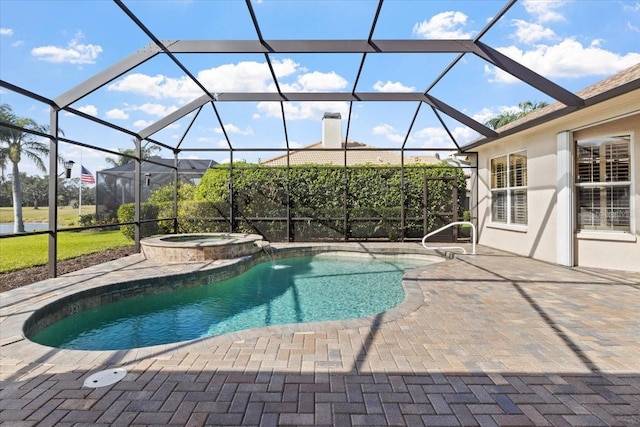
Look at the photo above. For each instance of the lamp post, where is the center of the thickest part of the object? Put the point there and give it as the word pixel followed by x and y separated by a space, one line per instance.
pixel 68 164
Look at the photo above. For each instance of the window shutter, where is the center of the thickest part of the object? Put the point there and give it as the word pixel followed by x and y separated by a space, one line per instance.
pixel 499 206
pixel 519 207
pixel 618 160
pixel 499 172
pixel 588 158
pixel 518 170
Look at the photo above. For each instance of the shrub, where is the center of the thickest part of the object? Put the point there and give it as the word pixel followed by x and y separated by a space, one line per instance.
pixel 165 193
pixel 86 220
pixel 315 196
pixel 201 217
pixel 126 213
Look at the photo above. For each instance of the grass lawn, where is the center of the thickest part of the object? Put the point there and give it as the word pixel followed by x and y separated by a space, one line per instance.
pixel 67 215
pixel 22 252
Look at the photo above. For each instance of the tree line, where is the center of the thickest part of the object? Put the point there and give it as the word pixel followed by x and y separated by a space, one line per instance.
pixel 35 191
pixel 16 188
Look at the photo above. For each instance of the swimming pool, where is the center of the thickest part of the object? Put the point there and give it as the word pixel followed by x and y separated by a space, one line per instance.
pixel 300 289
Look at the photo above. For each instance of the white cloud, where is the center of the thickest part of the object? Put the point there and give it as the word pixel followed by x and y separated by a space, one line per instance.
pixel 6 31
pixel 249 76
pixel 270 109
pixel 246 76
pixel 530 33
pixel 395 137
pixel 315 82
pixel 633 27
pixel 303 111
pixel 256 116
pixel 389 132
pixel 390 86
pixel 231 128
pixel 116 114
pixel 157 110
pixel 89 109
pixel 157 86
pixel 382 129
pixel 432 133
pixel 633 7
pixel 445 25
pixel 74 53
pixel 487 113
pixel 141 124
pixel 437 137
pixel 18 43
pixel 545 11
pixel 242 77
pixel 568 59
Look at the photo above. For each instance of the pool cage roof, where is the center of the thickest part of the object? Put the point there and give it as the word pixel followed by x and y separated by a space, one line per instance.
pixel 195 167
pixel 178 53
pixel 269 49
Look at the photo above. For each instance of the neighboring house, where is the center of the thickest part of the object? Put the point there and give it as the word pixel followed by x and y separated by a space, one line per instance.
pixel 567 189
pixel 115 186
pixel 330 151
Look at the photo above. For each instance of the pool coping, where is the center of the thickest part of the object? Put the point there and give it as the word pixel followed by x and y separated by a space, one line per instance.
pixel 14 316
pixel 235 245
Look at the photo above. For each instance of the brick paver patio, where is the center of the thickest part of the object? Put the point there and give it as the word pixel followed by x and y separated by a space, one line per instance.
pixel 491 339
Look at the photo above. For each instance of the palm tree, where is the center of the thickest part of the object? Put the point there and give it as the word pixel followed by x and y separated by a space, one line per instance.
pixel 16 144
pixel 4 155
pixel 526 107
pixel 146 153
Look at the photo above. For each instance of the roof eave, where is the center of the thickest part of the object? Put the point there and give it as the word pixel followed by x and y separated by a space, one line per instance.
pixel 552 115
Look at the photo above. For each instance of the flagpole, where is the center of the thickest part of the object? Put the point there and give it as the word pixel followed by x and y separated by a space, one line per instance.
pixel 80 188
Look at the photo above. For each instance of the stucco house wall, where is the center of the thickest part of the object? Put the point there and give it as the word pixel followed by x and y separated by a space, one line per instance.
pixel 542 237
pixel 537 238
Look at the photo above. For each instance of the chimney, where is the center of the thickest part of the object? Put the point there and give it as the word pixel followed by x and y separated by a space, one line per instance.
pixel 332 130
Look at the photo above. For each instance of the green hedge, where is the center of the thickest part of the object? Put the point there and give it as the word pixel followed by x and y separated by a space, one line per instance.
pixel 317 196
pixel 147 211
pixel 196 217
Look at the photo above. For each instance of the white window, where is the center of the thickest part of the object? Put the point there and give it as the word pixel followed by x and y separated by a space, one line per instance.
pixel 603 184
pixel 509 189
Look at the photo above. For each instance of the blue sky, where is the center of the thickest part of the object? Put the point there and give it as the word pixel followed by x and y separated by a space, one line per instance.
pixel 49 47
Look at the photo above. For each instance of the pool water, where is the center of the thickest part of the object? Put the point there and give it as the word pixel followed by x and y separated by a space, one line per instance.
pixel 294 290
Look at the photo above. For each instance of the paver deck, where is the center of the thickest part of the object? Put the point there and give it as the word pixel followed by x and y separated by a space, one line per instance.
pixel 490 339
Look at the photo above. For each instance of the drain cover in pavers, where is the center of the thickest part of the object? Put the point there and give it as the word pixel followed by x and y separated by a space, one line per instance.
pixel 105 378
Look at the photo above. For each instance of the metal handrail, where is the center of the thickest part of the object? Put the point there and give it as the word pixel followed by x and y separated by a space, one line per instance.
pixel 473 237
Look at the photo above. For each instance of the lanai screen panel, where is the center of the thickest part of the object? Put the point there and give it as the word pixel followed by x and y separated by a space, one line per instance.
pixel 433 53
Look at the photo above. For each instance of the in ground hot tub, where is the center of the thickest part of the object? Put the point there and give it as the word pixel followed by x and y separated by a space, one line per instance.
pixel 201 246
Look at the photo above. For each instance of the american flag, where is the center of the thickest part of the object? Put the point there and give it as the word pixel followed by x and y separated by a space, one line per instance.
pixel 86 176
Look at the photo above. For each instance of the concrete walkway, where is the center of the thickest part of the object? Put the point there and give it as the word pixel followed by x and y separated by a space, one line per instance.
pixel 491 339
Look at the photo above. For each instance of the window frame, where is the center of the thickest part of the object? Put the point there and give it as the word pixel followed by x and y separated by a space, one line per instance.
pixel 509 190
pixel 603 232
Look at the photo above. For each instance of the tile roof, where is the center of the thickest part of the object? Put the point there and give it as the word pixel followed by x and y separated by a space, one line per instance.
pixel 357 154
pixel 590 93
